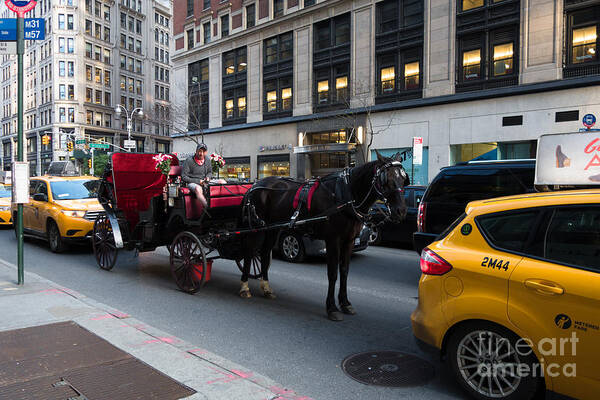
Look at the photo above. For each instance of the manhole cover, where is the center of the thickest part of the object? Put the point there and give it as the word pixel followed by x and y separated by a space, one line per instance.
pixel 388 368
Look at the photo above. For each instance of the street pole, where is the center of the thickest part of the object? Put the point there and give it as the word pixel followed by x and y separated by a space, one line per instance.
pixel 92 166
pixel 20 51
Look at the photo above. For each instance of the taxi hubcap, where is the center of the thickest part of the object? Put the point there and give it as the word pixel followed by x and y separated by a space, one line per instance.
pixel 489 364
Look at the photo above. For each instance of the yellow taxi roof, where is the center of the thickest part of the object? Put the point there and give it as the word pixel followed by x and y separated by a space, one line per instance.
pixel 528 200
pixel 51 178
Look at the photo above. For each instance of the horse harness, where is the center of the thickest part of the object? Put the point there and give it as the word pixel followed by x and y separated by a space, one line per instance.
pixel 341 193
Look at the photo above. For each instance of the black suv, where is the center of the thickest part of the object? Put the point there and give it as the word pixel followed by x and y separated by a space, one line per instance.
pixel 454 187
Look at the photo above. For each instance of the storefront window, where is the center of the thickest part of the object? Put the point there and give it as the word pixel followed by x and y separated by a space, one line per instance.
pixel 273 165
pixel 388 81
pixel 503 59
pixel 584 44
pixel 472 64
pixel 236 168
pixel 411 75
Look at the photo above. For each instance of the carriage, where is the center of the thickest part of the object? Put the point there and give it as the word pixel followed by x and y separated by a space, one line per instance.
pixel 146 209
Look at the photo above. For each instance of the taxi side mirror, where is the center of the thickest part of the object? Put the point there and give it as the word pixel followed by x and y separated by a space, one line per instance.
pixel 40 197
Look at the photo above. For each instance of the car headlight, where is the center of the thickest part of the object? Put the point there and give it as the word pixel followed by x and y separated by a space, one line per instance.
pixel 4 208
pixel 74 213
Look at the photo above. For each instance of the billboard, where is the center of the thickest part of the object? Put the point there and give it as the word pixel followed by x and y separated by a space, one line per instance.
pixel 568 159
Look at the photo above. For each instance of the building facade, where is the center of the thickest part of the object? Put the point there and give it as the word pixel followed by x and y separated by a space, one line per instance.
pixel 96 55
pixel 303 87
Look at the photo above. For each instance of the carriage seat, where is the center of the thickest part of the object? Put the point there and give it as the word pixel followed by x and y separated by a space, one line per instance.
pixel 218 195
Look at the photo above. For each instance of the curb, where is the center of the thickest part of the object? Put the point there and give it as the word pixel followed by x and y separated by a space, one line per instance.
pixel 233 371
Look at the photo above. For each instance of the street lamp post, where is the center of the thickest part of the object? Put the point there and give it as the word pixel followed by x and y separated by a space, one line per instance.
pixel 129 116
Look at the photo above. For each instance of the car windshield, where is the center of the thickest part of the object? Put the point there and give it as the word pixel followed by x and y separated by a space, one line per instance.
pixel 71 190
pixel 5 190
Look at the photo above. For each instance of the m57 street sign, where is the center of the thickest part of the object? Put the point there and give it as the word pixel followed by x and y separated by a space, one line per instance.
pixel 34 29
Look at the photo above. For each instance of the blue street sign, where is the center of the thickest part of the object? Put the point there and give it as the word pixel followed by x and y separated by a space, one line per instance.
pixel 34 29
pixel 589 120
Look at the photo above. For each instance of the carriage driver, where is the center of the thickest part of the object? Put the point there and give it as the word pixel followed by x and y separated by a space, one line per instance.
pixel 197 172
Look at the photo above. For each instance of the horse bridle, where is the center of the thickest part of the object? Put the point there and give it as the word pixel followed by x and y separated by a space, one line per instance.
pixel 376 184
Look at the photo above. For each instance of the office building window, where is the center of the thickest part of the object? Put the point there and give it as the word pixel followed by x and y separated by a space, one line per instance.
pixel 487 42
pixel 399 49
pixel 190 8
pixel 190 38
pixel 277 8
pixel 225 25
pixel 582 28
pixel 234 86
pixel 198 95
pixel 331 63
pixel 206 32
pixel 250 16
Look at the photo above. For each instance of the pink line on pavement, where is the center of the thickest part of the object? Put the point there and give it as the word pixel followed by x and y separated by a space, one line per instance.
pixel 54 291
pixel 197 351
pixel 106 316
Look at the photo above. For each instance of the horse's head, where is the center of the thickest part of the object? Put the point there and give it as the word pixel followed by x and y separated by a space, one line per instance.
pixel 390 182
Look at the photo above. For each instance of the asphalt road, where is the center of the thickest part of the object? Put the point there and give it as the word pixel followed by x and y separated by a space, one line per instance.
pixel 288 339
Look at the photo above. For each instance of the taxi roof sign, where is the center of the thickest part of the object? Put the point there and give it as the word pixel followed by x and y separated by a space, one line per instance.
pixel 568 159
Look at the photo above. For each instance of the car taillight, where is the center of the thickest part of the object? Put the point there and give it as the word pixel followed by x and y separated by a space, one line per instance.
pixel 421 217
pixel 432 264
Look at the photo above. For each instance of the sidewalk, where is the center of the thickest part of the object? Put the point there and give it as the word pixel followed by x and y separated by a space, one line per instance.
pixel 41 302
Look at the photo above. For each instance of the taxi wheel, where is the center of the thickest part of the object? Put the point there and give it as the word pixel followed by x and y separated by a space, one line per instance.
pixel 485 362
pixel 54 239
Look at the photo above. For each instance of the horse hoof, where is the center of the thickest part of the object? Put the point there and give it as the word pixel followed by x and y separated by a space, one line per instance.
pixel 269 295
pixel 245 294
pixel 348 310
pixel 335 316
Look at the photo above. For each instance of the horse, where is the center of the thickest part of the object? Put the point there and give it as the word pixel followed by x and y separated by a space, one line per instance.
pixel 344 198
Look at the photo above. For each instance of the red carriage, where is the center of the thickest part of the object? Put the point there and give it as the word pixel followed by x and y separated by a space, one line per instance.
pixel 145 209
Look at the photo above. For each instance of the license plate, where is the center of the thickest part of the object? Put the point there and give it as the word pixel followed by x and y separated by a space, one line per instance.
pixel 357 241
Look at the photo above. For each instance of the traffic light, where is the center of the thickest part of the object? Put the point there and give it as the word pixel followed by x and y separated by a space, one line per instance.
pixel 69 146
pixel 45 140
pixel 90 163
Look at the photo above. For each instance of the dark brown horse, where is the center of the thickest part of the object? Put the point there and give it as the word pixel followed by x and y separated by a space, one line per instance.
pixel 344 197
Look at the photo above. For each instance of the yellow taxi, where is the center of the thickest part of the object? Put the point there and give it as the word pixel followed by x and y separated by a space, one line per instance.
pixel 61 209
pixel 510 296
pixel 5 196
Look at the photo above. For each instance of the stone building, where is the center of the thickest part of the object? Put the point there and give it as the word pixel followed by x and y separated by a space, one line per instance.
pixel 96 55
pixel 295 87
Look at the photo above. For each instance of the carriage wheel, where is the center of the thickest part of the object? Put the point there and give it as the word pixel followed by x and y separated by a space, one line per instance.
pixel 187 261
pixel 255 267
pixel 103 242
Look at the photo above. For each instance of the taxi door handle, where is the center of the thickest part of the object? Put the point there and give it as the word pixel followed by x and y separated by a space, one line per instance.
pixel 544 287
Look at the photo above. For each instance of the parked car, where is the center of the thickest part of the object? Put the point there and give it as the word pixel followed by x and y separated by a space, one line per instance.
pixel 455 186
pixel 391 232
pixel 294 245
pixel 507 281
